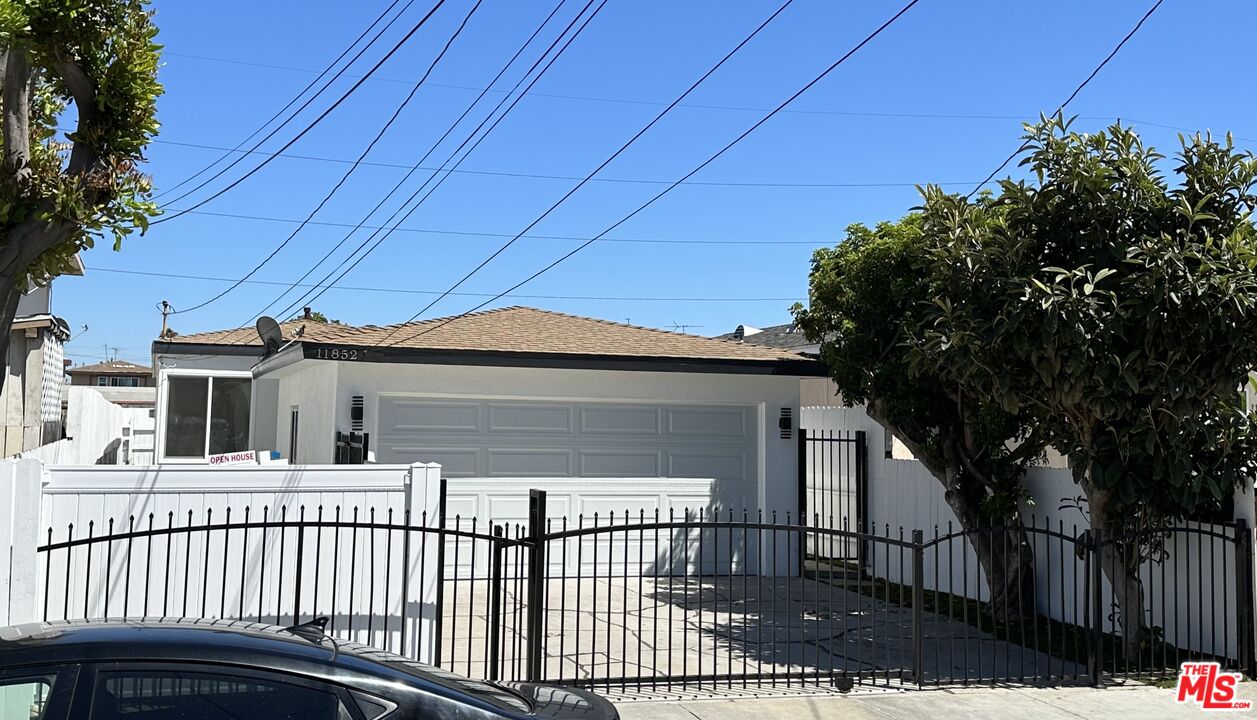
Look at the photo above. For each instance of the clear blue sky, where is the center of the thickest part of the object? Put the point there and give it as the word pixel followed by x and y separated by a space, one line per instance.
pixel 939 97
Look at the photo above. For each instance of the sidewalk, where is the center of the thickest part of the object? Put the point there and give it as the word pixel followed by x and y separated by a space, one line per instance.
pixel 1124 703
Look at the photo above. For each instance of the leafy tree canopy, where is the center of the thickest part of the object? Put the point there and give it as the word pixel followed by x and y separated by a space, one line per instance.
pixel 1114 307
pixel 93 61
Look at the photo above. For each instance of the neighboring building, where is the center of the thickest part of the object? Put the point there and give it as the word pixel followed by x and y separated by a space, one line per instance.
pixel 784 337
pixel 121 382
pixel 31 395
pixel 510 393
pixel 114 373
pixel 816 392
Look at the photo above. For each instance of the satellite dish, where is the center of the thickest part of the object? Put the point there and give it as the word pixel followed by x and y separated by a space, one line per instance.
pixel 271 334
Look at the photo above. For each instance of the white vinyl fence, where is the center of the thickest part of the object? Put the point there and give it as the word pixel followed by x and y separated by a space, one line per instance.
pixel 277 544
pixel 1189 585
pixel 99 432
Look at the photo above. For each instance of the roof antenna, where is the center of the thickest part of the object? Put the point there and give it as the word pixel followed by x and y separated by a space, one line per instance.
pixel 314 631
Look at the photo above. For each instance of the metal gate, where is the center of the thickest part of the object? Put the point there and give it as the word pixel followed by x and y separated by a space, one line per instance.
pixel 699 600
pixel 833 490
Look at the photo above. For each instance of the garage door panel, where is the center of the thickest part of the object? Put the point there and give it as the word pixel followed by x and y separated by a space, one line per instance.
pixel 708 422
pixel 454 462
pixel 725 466
pixel 529 418
pixel 514 438
pixel 400 414
pixel 620 420
pixel 522 462
pixel 620 463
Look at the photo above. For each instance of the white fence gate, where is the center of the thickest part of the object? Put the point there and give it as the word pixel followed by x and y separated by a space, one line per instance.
pixel 276 544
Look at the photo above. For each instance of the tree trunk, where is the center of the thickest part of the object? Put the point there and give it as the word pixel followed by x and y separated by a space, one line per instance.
pixel 1005 556
pixel 10 294
pixel 1120 562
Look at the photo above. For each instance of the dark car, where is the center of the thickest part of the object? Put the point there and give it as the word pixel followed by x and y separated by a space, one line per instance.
pixel 220 670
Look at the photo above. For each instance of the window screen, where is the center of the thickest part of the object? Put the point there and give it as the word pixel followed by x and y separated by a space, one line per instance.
pixel 154 695
pixel 229 415
pixel 206 415
pixel 185 416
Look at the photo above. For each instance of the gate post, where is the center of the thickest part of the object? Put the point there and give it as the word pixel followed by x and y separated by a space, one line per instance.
pixel 918 600
pixel 862 495
pixel 536 582
pixel 1095 651
pixel 495 606
pixel 439 625
pixel 804 510
pixel 1244 597
pixel 21 488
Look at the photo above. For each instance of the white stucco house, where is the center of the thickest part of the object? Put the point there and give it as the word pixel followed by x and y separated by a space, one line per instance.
pixel 509 393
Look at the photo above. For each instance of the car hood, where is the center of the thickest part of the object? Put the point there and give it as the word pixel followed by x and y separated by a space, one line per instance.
pixel 554 701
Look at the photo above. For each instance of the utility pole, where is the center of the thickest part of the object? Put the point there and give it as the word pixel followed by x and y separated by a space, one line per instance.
pixel 165 313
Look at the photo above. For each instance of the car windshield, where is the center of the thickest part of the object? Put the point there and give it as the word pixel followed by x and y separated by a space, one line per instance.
pixel 476 688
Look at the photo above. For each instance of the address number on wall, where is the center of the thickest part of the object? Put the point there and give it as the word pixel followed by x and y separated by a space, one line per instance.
pixel 339 353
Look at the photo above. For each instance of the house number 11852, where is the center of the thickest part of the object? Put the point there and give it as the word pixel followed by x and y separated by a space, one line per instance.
pixel 338 353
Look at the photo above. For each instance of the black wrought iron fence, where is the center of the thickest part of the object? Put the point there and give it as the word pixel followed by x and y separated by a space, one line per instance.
pixel 685 600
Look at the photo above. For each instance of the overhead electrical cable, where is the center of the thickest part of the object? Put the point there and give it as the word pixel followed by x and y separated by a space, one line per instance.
pixel 344 178
pixel 611 158
pixel 825 73
pixel 419 164
pixel 1074 94
pixel 412 291
pixel 517 97
pixel 229 151
pixel 328 111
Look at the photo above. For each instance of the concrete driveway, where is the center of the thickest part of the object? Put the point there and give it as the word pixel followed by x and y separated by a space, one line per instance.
pixel 710 633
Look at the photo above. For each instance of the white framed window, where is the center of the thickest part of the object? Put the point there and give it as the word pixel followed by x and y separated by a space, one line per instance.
pixel 102 381
pixel 124 381
pixel 204 414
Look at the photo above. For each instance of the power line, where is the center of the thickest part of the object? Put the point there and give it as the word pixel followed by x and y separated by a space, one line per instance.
pixel 611 158
pixel 540 176
pixel 308 127
pixel 294 99
pixel 647 181
pixel 869 38
pixel 1074 94
pixel 432 148
pixel 500 117
pixel 412 291
pixel 468 233
pixel 696 106
pixel 367 150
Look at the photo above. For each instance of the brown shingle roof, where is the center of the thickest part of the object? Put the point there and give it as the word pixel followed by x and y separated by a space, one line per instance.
pixel 116 367
pixel 514 329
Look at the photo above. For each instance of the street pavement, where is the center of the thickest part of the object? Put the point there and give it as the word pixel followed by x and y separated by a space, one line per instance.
pixel 1125 703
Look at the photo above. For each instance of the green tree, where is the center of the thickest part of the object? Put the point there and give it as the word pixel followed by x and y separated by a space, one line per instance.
pixel 95 61
pixel 868 296
pixel 1119 311
pixel 313 316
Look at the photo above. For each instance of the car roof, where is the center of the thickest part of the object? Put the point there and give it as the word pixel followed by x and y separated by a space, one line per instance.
pixel 197 640
pixel 257 645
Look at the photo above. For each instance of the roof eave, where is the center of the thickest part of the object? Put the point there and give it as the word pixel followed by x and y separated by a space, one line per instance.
pixel 795 367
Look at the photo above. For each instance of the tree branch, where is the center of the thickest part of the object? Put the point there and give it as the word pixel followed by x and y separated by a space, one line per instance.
pixel 17 113
pixel 1034 444
pixel 875 410
pixel 82 156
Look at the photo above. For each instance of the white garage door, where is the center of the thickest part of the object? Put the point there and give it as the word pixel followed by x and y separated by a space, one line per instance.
pixel 523 439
